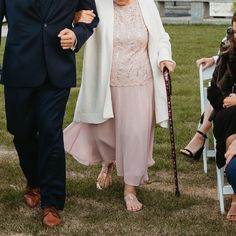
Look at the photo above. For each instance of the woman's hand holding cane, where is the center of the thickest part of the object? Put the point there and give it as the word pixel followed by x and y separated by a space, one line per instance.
pixel 168 64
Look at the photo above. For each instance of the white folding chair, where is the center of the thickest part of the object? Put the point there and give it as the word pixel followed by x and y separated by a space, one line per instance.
pixel 222 189
pixel 205 76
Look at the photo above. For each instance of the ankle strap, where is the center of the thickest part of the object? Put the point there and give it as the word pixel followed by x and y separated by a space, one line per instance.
pixel 204 135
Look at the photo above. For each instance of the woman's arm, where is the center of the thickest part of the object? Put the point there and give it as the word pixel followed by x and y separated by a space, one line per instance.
pixel 84 16
pixel 164 52
pixel 84 31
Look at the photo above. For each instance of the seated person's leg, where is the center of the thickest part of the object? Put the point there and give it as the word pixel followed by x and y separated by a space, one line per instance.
pixel 198 140
pixel 231 174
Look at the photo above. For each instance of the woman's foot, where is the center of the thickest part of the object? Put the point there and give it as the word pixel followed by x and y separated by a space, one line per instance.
pixel 195 146
pixel 145 180
pixel 231 216
pixel 131 201
pixel 104 179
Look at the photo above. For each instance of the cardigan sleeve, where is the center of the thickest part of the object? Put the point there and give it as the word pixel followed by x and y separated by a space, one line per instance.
pixel 164 53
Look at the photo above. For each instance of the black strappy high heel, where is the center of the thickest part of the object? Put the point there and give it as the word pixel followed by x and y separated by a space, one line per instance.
pixel 198 154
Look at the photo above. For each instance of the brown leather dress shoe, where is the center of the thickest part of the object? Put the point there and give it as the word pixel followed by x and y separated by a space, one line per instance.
pixel 51 217
pixel 32 196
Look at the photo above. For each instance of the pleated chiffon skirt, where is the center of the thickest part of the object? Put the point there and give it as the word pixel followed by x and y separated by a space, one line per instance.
pixel 126 139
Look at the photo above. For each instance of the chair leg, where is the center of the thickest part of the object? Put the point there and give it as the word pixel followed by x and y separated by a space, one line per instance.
pixel 220 185
pixel 205 159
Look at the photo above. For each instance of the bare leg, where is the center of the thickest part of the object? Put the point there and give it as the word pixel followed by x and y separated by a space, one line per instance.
pixel 132 203
pixel 231 149
pixel 198 140
pixel 231 152
pixel 231 216
pixel 230 142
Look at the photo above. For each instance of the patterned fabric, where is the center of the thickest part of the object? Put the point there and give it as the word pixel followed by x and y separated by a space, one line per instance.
pixel 128 137
pixel 131 65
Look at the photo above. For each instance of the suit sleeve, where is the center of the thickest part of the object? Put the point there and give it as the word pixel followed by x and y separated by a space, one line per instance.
pixel 2 14
pixel 84 31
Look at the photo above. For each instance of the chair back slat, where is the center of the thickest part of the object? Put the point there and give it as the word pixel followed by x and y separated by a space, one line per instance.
pixel 204 75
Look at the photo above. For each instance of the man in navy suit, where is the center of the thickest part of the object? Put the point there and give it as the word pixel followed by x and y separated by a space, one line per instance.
pixel 38 72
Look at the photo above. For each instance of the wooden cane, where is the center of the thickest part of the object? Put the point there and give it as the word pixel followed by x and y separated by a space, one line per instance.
pixel 167 80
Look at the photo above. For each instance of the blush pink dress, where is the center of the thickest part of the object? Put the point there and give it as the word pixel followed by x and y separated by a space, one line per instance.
pixel 128 137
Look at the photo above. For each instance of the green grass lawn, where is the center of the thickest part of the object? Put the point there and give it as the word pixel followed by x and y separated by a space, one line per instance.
pixel 92 212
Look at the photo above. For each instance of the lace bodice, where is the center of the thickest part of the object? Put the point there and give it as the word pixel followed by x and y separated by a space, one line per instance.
pixel 131 65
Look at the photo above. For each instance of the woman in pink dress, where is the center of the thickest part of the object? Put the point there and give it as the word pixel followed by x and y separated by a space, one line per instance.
pixel 122 94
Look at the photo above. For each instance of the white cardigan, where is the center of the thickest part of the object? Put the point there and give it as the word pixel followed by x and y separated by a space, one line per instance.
pixel 94 103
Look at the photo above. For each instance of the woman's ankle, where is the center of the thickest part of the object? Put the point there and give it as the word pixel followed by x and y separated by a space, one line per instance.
pixel 129 189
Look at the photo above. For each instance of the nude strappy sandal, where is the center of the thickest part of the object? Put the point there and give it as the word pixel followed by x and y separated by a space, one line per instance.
pixel 132 202
pixel 104 179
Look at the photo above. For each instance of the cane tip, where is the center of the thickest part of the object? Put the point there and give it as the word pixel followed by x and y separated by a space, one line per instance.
pixel 177 193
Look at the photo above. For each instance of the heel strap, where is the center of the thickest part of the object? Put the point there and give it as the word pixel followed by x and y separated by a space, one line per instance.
pixel 204 135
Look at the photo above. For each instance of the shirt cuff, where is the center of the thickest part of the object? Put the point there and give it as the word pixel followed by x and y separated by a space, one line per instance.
pixel 74 46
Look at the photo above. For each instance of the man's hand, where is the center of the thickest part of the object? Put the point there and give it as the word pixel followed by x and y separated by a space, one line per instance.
pixel 205 62
pixel 169 64
pixel 230 100
pixel 68 39
pixel 84 16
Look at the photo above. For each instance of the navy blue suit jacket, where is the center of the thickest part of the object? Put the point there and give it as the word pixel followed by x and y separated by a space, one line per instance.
pixel 33 52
